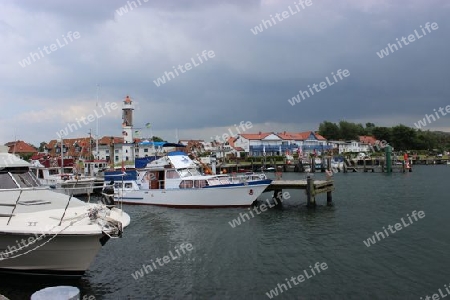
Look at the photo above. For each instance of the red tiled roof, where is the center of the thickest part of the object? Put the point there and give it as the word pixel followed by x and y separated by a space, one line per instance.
pixel 106 140
pixel 367 139
pixel 231 141
pixel 20 147
pixel 299 136
pixel 83 143
pixel 256 136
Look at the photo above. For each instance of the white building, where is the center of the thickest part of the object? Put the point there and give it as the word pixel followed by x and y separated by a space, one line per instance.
pixel 271 143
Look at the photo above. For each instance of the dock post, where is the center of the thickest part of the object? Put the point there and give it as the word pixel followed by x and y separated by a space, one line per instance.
pixel 311 200
pixel 313 165
pixel 364 165
pixel 388 152
pixel 329 198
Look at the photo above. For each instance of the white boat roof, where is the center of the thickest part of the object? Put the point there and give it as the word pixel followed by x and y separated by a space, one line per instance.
pixel 181 161
pixel 8 160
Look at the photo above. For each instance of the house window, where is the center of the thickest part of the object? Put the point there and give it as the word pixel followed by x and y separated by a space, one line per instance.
pixel 146 150
pixel 116 151
pixel 116 158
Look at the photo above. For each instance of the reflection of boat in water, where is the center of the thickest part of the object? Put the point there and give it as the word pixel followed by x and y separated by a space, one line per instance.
pixel 269 169
pixel 175 180
pixel 44 232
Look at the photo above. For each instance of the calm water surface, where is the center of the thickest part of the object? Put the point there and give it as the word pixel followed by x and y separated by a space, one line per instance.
pixel 248 261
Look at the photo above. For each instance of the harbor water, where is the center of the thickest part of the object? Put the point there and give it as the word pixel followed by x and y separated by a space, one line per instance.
pixel 169 253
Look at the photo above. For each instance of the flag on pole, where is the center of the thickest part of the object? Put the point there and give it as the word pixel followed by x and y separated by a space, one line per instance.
pixel 137 133
pixel 148 125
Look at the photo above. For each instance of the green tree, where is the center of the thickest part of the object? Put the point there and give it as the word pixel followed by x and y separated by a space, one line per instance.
pixel 42 146
pixel 382 133
pixel 349 131
pixel 403 137
pixel 329 130
pixel 369 128
pixel 157 139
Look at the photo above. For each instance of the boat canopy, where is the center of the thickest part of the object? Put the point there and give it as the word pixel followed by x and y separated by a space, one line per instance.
pixel 120 176
pixel 180 160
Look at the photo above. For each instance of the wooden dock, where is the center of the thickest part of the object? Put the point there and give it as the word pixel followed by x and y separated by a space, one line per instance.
pixel 312 187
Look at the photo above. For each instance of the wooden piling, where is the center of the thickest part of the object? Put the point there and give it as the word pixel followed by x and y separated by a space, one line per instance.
pixel 310 197
pixel 329 198
pixel 388 153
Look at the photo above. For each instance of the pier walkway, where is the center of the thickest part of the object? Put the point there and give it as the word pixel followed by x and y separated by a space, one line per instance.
pixel 312 187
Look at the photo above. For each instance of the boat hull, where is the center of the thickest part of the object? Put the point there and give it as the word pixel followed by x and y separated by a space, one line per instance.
pixel 215 196
pixel 64 255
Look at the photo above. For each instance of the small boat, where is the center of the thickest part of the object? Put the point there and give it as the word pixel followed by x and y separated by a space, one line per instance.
pixel 48 233
pixel 65 180
pixel 175 180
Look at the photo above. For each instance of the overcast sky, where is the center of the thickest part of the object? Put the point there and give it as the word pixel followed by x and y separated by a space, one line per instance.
pixel 250 78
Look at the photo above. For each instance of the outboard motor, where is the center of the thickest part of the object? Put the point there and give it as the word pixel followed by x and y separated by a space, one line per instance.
pixel 108 195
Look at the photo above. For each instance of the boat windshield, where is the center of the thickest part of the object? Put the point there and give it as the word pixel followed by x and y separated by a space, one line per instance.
pixel 17 178
pixel 25 179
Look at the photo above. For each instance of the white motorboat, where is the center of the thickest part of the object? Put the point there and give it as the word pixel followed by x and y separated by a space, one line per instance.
pixel 63 180
pixel 175 180
pixel 44 232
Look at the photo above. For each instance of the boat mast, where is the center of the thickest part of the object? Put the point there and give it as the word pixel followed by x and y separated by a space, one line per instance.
pixel 96 133
pixel 62 156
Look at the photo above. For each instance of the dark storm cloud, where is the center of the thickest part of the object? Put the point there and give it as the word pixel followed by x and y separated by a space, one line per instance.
pixel 251 76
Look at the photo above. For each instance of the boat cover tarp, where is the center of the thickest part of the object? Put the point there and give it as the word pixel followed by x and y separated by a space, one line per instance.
pixel 118 175
pixel 141 162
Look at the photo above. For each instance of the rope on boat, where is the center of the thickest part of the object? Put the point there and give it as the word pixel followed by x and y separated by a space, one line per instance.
pixel 93 215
